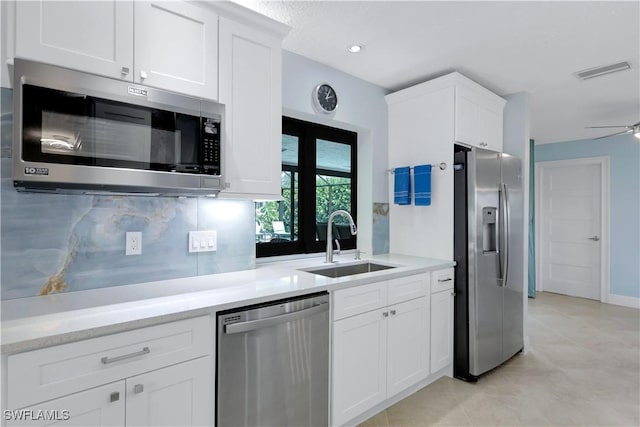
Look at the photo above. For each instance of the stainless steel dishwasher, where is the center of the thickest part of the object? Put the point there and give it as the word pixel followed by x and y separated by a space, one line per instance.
pixel 273 364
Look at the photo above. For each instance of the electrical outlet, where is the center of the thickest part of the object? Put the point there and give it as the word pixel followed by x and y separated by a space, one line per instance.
pixel 133 245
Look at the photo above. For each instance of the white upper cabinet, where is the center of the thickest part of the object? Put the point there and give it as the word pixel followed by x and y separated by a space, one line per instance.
pixel 92 36
pixel 478 118
pixel 176 47
pixel 251 89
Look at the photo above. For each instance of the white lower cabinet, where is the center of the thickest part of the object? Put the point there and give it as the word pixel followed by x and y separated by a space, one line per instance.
pixel 441 319
pixel 359 364
pixel 155 376
pixel 100 406
pixel 180 395
pixel 379 353
pixel 407 344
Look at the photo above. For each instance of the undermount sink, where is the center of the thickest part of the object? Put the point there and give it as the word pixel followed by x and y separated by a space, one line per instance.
pixel 348 270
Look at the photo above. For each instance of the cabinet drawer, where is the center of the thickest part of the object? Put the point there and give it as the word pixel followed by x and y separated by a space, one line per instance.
pixel 359 299
pixel 441 280
pixel 407 288
pixel 44 374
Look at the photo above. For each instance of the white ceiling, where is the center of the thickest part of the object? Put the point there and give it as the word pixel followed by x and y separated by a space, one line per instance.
pixel 507 46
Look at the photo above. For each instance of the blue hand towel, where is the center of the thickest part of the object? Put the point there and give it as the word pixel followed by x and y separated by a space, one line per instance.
pixel 402 186
pixel 422 181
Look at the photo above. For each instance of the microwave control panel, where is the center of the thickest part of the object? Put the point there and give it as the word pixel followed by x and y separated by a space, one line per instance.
pixel 211 145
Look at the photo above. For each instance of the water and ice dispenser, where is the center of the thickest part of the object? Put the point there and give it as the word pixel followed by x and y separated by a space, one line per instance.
pixel 489 231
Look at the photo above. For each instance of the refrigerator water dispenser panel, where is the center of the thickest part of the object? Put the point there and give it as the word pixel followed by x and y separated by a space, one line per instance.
pixel 489 230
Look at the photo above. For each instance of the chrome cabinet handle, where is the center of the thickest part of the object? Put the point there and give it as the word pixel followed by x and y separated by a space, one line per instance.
pixel 453 294
pixel 114 397
pixel 124 71
pixel 106 360
pixel 483 144
pixel 393 312
pixel 385 314
pixel 143 74
pixel 448 279
pixel 594 238
pixel 138 388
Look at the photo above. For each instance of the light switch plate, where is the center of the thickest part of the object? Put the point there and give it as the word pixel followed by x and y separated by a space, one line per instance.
pixel 203 241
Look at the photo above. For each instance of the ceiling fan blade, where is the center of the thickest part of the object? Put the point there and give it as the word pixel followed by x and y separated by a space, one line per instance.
pixel 614 134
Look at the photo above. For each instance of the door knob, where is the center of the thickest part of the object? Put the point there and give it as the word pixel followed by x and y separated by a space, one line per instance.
pixel 594 238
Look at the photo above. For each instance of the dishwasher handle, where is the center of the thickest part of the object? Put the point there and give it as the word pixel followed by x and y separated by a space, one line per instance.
pixel 251 325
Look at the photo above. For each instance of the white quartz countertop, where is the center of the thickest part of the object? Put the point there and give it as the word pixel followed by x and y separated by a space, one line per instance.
pixel 30 323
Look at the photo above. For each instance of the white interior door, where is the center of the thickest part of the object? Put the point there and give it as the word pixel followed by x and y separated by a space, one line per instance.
pixel 570 227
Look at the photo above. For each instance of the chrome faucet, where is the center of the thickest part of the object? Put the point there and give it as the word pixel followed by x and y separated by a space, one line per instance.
pixel 352 226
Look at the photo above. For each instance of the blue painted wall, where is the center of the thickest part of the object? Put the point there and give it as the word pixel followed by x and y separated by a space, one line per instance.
pixel 624 157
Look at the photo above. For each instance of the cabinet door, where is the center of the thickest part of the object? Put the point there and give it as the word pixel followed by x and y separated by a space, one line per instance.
pixel 491 127
pixel 478 119
pixel 92 36
pixel 441 330
pixel 180 395
pixel 466 121
pixel 408 341
pixel 176 47
pixel 251 89
pixel 359 364
pixel 100 406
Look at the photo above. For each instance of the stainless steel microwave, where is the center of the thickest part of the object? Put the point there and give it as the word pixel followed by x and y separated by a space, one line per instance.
pixel 79 132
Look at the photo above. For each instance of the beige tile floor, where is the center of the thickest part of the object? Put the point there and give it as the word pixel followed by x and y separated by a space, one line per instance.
pixel 582 369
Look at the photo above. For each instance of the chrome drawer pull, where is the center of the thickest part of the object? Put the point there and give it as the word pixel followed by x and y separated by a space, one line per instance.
pixel 448 279
pixel 114 397
pixel 106 360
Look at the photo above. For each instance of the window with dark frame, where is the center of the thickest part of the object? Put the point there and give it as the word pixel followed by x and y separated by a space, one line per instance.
pixel 318 177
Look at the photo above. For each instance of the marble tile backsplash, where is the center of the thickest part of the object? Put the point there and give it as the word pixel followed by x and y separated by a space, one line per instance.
pixel 380 228
pixel 61 243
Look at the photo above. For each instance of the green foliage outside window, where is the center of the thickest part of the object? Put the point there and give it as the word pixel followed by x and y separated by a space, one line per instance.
pixel 332 193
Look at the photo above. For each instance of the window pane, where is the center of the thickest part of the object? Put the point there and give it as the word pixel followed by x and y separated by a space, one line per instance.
pixel 333 187
pixel 333 156
pixel 318 177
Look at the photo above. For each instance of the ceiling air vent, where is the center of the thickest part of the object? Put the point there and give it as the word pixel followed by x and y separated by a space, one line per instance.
pixel 601 71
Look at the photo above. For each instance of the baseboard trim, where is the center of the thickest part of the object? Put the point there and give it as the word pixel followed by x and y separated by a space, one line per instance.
pixel 624 300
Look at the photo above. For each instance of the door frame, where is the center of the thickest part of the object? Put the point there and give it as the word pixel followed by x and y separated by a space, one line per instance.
pixel 605 270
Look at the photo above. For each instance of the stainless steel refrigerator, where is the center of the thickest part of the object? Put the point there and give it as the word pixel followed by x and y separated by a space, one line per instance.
pixel 488 249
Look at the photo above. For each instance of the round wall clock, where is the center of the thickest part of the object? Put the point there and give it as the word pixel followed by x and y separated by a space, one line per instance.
pixel 325 98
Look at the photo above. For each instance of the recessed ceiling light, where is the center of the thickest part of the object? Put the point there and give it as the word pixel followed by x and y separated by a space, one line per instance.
pixel 355 48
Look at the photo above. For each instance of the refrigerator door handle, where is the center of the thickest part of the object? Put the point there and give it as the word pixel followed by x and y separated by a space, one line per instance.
pixel 506 221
